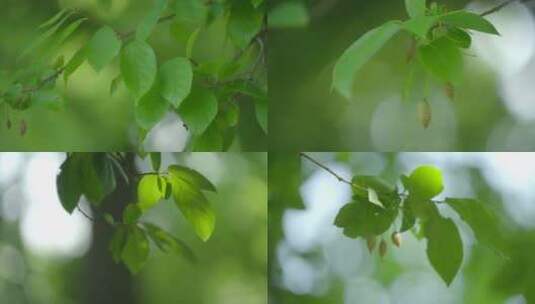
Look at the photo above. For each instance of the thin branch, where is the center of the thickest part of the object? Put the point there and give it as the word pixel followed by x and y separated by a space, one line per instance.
pixel 499 7
pixel 322 166
pixel 86 215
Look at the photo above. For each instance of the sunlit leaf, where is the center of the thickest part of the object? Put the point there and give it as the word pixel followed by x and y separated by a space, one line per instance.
pixel 103 47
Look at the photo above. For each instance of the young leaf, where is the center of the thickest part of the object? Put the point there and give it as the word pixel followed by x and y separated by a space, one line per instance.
pixel 425 183
pixel 155 160
pixel 147 25
pixel 261 111
pixel 115 84
pixel 136 249
pixel 68 184
pixel 468 20
pixel 444 246
pixel 103 47
pixel 244 23
pixel 194 206
pixel 69 30
pixel 420 25
pixel 149 192
pixel 191 176
pixel 168 243
pixel 138 67
pixel 54 19
pixel 151 108
pixel 358 54
pixel 198 110
pixel 191 42
pixel 460 37
pixel 408 220
pixel 98 176
pixel 443 59
pixel 176 76
pixel 415 8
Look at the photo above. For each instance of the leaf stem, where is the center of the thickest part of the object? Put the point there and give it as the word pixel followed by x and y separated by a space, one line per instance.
pixel 499 7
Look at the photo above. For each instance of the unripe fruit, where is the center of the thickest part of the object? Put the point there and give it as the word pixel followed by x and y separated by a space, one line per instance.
pixel 382 248
pixel 371 241
pixel 396 239
pixel 424 113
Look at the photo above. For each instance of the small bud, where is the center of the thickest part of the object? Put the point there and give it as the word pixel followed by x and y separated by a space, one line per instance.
pixel 23 127
pixel 424 113
pixel 396 239
pixel 371 241
pixel 382 248
pixel 449 89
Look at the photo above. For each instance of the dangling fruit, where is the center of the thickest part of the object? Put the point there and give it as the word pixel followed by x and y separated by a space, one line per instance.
pixel 396 239
pixel 23 127
pixel 411 51
pixel 8 124
pixel 424 113
pixel 382 248
pixel 371 241
pixel 449 89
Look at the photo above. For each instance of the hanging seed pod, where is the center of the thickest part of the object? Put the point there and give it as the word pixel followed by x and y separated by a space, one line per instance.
pixel 382 248
pixel 8 124
pixel 396 239
pixel 371 241
pixel 411 51
pixel 23 127
pixel 449 89
pixel 424 113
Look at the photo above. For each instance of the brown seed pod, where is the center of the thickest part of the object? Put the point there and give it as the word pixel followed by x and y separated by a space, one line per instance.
pixel 449 89
pixel 424 113
pixel 382 248
pixel 23 127
pixel 371 241
pixel 396 239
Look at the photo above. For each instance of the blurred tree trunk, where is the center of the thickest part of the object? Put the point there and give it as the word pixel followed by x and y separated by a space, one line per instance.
pixel 108 282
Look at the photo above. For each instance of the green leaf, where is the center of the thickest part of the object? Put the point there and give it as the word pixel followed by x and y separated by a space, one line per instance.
pixel 425 182
pixel 69 30
pixel 149 192
pixel 374 182
pixel 358 54
pixel 362 218
pixel 155 160
pixel 54 19
pixel 103 47
pixel 68 184
pixel 415 8
pixel 443 59
pixel 191 176
pixel 191 12
pixel 136 249
pixel 460 37
pixel 244 23
pixel 444 247
pixel 138 67
pixel 408 220
pixel 468 20
pixel 261 111
pixel 149 22
pixel 194 206
pixel 191 42
pixel 117 243
pixel 482 220
pixel 74 63
pixel 49 99
pixel 198 110
pixel 151 108
pixel 168 243
pixel 420 25
pixel 176 76
pixel 288 15
pixel 98 177
pixel 131 214
pixel 115 84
